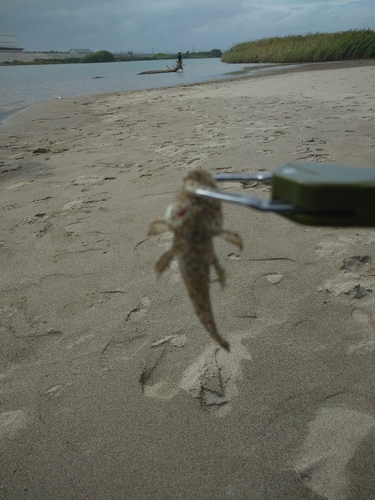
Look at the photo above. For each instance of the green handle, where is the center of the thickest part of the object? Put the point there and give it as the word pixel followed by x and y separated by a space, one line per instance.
pixel 326 195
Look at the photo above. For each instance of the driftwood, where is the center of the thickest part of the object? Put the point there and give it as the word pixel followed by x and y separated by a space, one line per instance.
pixel 178 66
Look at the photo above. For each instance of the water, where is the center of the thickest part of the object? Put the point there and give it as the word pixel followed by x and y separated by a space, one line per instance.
pixel 23 86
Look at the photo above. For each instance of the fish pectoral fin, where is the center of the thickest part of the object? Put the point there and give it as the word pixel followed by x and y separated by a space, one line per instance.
pixel 158 226
pixel 231 237
pixel 163 262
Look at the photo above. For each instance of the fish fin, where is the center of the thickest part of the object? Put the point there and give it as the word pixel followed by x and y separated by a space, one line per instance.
pixel 231 237
pixel 163 261
pixel 220 271
pixel 158 226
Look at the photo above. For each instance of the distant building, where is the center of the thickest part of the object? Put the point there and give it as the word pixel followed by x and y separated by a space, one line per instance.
pixel 8 42
pixel 81 52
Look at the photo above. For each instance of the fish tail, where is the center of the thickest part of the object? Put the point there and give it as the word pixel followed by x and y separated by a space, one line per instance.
pixel 211 327
pixel 206 318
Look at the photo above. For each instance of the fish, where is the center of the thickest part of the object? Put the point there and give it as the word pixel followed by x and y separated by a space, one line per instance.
pixel 194 221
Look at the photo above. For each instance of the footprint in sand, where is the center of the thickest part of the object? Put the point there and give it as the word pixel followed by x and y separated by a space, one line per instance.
pixel 326 443
pixel 338 246
pixel 212 378
pixel 158 375
pixel 365 327
pixel 354 280
pixel 85 203
pixel 20 314
pixel 138 312
pixel 11 422
pixel 119 350
pixel 23 315
pixel 86 181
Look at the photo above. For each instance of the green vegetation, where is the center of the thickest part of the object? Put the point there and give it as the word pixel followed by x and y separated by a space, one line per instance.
pixel 318 47
pixel 202 55
pixel 97 57
pixel 105 56
pixel 127 58
pixel 162 56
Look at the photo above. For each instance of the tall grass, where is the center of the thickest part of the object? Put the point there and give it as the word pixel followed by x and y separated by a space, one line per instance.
pixel 318 47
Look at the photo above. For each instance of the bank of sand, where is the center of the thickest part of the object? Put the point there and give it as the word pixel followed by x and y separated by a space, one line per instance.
pixel 111 387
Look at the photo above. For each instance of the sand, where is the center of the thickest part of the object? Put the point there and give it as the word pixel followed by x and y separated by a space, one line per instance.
pixel 111 388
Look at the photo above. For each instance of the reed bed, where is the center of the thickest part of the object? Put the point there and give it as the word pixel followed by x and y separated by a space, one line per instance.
pixel 318 47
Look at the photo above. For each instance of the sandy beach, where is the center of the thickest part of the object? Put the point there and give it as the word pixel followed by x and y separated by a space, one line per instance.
pixel 111 388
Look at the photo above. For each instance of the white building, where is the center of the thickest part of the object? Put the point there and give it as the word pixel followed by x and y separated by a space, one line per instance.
pixel 81 52
pixel 8 42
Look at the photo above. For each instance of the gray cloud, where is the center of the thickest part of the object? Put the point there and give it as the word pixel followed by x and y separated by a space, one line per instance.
pixel 172 25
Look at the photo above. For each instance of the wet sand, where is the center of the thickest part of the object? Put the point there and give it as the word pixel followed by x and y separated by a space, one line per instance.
pixel 111 388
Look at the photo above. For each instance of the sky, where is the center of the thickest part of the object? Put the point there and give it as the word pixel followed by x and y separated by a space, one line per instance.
pixel 170 26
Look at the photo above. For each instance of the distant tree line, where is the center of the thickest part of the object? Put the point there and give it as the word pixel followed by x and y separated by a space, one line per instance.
pixel 105 56
pixel 129 56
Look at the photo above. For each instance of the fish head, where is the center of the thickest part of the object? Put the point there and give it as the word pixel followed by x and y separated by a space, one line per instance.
pixel 179 212
pixel 191 211
pixel 208 210
pixel 198 178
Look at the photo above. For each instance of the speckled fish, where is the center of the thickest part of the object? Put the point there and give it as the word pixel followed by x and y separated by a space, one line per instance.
pixel 194 222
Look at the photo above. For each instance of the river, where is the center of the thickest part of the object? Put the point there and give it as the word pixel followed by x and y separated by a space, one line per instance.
pixel 23 86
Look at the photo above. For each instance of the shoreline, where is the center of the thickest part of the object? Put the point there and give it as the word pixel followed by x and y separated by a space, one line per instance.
pixel 110 385
pixel 255 73
pixel 8 113
pixel 294 68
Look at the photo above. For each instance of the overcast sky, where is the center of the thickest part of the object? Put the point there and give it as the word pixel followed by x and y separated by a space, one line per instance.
pixel 145 26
